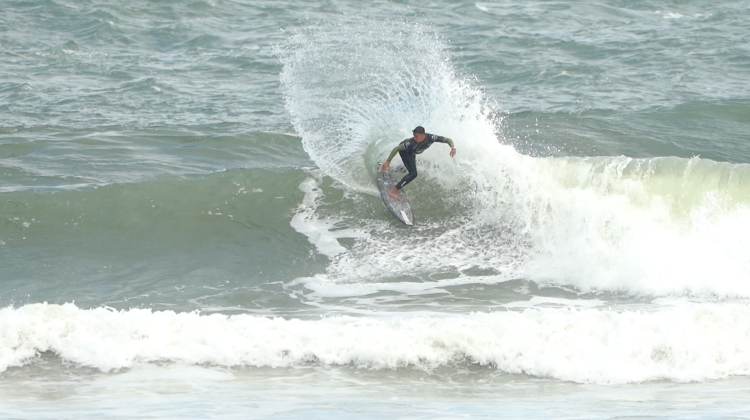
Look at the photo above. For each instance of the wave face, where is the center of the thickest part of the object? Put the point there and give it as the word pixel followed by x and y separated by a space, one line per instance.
pixel 647 226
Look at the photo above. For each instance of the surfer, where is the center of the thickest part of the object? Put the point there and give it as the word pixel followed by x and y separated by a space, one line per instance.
pixel 409 149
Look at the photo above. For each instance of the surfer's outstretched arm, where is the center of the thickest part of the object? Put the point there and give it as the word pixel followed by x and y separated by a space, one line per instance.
pixel 450 143
pixel 395 150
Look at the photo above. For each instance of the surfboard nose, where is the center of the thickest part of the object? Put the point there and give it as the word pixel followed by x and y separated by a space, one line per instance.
pixel 406 219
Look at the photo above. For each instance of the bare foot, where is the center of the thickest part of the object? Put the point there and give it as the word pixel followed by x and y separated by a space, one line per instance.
pixel 394 193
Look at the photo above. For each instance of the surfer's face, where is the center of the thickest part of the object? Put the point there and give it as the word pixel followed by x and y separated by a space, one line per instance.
pixel 418 137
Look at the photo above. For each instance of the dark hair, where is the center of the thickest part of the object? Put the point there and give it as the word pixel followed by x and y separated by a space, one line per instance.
pixel 418 130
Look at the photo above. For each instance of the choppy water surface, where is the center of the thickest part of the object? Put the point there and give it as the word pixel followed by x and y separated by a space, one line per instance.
pixel 189 224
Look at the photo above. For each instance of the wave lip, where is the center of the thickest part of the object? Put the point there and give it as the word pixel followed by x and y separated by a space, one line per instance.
pixel 682 343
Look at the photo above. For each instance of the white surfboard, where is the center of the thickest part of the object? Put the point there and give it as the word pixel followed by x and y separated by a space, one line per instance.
pixel 401 209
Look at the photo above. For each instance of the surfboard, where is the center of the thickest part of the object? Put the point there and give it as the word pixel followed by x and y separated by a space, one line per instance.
pixel 400 209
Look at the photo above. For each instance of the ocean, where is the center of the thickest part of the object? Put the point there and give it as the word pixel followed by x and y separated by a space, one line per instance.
pixel 190 225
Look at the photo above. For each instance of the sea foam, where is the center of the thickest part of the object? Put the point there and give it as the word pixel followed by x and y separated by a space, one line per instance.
pixel 680 343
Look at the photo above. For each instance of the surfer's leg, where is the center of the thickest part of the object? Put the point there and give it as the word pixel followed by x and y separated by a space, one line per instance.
pixel 410 163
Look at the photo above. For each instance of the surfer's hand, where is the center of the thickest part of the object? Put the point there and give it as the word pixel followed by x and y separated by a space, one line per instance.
pixel 453 151
pixel 385 166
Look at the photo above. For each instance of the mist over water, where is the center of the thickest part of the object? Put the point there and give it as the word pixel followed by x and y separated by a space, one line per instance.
pixel 352 88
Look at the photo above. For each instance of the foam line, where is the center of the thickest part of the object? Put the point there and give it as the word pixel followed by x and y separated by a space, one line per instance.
pixel 317 230
pixel 681 343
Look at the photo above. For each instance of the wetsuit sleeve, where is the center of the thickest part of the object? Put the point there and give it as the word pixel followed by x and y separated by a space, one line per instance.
pixel 441 139
pixel 395 150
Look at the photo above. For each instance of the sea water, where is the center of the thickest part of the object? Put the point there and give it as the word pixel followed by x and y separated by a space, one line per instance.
pixel 190 227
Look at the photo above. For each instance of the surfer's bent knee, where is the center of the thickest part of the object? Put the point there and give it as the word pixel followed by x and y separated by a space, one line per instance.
pixel 405 180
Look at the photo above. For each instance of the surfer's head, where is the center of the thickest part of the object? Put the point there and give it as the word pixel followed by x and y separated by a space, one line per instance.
pixel 418 133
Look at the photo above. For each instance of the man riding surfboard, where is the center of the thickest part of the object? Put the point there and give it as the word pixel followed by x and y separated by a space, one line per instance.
pixel 408 150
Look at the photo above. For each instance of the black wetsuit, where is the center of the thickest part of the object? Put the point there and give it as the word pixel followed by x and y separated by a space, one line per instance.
pixel 409 149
